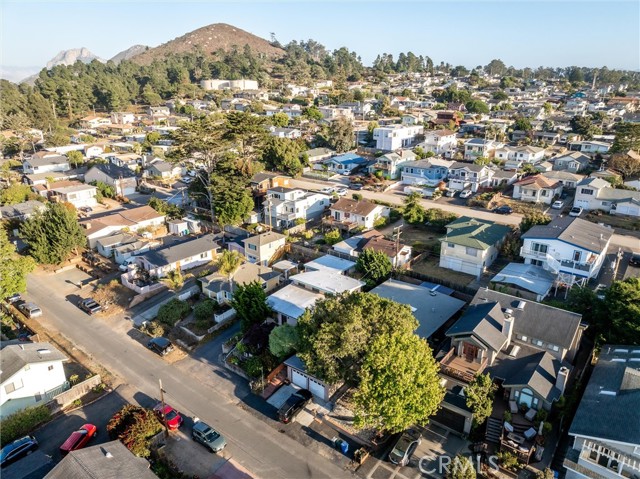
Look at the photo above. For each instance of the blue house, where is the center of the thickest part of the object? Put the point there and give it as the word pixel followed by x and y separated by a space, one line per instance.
pixel 345 164
pixel 425 172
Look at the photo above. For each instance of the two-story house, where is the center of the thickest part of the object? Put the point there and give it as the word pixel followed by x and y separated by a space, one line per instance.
pixel 590 147
pixel 569 180
pixel 261 248
pixel 598 194
pixel 605 432
pixel 331 113
pixel 283 206
pixel 515 156
pixel 349 214
pixel 163 169
pixel 79 195
pixel 221 287
pixel 133 219
pixel 572 248
pixel 393 137
pixel 467 176
pixel 390 165
pixel 471 245
pixel 537 189
pixel 476 147
pixel 429 172
pixel 572 162
pixel 121 178
pixel 30 374
pixel 440 142
pixel 282 132
pixel 46 162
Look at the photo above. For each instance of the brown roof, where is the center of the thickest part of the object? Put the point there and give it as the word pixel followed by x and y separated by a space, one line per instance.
pixel 362 208
pixel 379 243
pixel 123 218
pixel 538 181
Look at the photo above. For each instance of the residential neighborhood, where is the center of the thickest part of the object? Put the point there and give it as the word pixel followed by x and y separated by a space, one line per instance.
pixel 231 257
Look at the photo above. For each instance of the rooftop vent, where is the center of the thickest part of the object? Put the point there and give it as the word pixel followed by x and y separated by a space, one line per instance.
pixel 508 313
pixel 108 454
pixel 521 305
pixel 514 351
pixel 44 351
pixel 606 392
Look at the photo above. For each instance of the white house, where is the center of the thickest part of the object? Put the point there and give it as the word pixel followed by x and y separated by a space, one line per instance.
pixel 78 195
pixel 572 247
pixel 331 113
pixel 30 374
pixel 291 133
pixel 284 206
pixel 390 138
pixel 537 189
pixel 51 162
pixel 440 142
pixel 476 147
pixel 122 117
pixel 568 179
pixel 572 162
pixel 133 219
pixel 598 194
pixel 590 147
pixel 520 154
pixel 261 248
pixel 469 176
pixel 429 172
pixel 390 165
pixel 355 214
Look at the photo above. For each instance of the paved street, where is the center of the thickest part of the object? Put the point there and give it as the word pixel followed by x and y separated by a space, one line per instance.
pixel 213 397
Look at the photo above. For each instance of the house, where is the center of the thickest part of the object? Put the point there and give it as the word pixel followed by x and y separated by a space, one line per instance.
pixel 94 121
pixel 121 178
pixel 464 176
pixel 179 256
pixel 590 147
pixel 157 111
pixel 163 169
pixel 331 262
pixel 331 113
pixel 349 214
pixel 393 137
pixel 471 245
pixel 598 194
pixel 390 165
pixel 30 374
pixel 573 248
pixel 537 189
pixel 429 172
pixel 122 117
pixel 548 137
pixel 345 164
pixel 104 461
pixel 316 155
pixel 398 253
pixel 440 142
pixel 476 147
pixel 221 287
pixel 572 162
pixel 78 195
pixel 291 133
pixel 129 160
pixel 262 182
pixel 327 281
pixel 569 180
pixel 298 375
pixel 46 163
pixel 283 206
pixel 527 280
pixel 133 219
pixel 21 211
pixel 503 178
pixel 604 435
pixel 515 156
pixel 261 248
pixel 106 245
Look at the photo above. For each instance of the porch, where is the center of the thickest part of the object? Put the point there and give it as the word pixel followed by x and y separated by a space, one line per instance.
pixel 460 367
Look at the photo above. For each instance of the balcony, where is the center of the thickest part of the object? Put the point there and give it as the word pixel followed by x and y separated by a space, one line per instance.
pixel 461 368
pixel 603 460
pixel 549 262
pixel 382 166
pixel 346 224
pixel 576 265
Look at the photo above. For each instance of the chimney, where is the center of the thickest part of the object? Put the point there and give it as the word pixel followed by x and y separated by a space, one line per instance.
pixel 507 328
pixel 561 380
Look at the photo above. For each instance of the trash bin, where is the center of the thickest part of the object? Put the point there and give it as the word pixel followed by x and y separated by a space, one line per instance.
pixel 343 446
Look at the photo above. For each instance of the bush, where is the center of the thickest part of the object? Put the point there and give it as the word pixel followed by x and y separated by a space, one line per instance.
pixel 380 222
pixel 134 426
pixel 300 221
pixel 173 311
pixel 22 423
pixel 356 196
pixel 507 416
pixel 541 415
pixel 253 366
pixel 508 461
pixel 154 329
pixel 332 237
pixel 204 311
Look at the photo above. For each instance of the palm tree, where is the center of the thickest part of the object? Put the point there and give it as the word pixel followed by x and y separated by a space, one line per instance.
pixel 228 263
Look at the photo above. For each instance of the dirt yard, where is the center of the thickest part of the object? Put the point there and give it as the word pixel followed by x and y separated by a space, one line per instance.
pixel 430 266
pixel 420 237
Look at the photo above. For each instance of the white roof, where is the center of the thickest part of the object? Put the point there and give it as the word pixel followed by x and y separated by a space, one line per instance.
pixel 328 281
pixel 331 263
pixel 292 300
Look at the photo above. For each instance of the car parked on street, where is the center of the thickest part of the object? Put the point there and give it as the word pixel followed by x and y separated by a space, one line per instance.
pixel 558 205
pixel 78 439
pixel 341 191
pixel 86 209
pixel 17 450
pixel 171 416
pixel 327 190
pixel 503 210
pixel 208 437
pixel 89 306
pixel 30 310
pixel 293 405
pixel 14 298
pixel 465 193
pixel 356 186
pixel 405 447
pixel 575 211
pixel 635 259
pixel 162 346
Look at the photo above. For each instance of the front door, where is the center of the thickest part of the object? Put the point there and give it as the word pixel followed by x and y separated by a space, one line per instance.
pixel 470 351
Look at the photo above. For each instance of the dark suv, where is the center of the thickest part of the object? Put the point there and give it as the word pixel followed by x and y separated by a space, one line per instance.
pixel 292 406
pixel 89 306
pixel 17 450
pixel 162 346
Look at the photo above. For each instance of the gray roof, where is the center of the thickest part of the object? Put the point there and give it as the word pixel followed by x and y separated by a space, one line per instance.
pixel 535 320
pixel 19 210
pixel 458 165
pixel 330 262
pixel 48 160
pixel 175 252
pixel 485 322
pixel 16 356
pixel 117 239
pixel 114 171
pixel 111 460
pixel 431 308
pixel 574 231
pixel 35 468
pixel 264 238
pixel 526 276
pixel 609 407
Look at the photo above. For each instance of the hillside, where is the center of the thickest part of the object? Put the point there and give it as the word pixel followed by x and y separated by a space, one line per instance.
pixel 209 39
pixel 128 54
pixel 69 57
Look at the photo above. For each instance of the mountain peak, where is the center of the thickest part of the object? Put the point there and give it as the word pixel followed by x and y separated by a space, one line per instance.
pixel 69 57
pixel 129 53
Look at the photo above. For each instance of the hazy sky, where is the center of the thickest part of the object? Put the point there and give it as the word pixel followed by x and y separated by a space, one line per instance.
pixel 521 33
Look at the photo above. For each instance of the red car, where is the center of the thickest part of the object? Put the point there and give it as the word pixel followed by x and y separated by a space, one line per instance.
pixel 78 439
pixel 173 417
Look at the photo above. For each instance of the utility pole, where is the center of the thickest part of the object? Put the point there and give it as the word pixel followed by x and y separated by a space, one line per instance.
pixel 164 418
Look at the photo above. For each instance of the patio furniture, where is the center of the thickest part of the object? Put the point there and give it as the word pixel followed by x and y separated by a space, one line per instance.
pixel 517 438
pixel 513 407
pixel 531 414
pixel 530 433
pixel 508 427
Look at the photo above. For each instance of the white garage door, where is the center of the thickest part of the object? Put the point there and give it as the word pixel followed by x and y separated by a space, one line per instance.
pixel 462 266
pixel 299 379
pixel 316 388
pixel 581 203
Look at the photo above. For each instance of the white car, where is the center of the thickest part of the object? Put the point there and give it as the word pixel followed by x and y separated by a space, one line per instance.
pixel 557 205
pixel 465 193
pixel 575 211
pixel 341 191
pixel 186 179
pixel 328 190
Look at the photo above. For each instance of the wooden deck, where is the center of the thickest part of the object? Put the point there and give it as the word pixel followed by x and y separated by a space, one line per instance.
pixel 461 368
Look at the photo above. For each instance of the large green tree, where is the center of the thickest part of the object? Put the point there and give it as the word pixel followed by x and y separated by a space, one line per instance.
pixel 17 193
pixel 627 163
pixel 627 138
pixel 250 302
pixel 479 395
pixel 284 340
pixel 283 154
pixel 340 135
pixel 280 119
pixel 337 334
pixel 13 268
pixel 231 196
pixel 533 218
pixel 374 265
pixel 52 235
pixel 413 211
pixel 477 106
pixel 399 383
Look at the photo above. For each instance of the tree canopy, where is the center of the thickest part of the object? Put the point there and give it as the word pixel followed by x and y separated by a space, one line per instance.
pixel 284 340
pixel 627 138
pixel 413 211
pixel 283 154
pixel 13 268
pixel 374 265
pixel 250 302
pixel 340 135
pixel 479 394
pixel 532 218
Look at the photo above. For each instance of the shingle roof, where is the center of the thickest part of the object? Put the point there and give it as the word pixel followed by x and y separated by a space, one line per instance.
pixel 16 356
pixel 538 182
pixel 48 160
pixel 362 208
pixel 609 407
pixel 114 171
pixel 178 251
pixel 264 238
pixel 485 322
pixel 575 231
pixel 474 233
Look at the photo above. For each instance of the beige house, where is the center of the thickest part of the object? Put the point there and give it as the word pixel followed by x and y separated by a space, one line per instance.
pixel 220 287
pixel 348 214
pixel 537 189
pixel 261 248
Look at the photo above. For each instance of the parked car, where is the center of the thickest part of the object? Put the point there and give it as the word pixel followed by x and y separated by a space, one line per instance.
pixel 575 211
pixel 30 310
pixel 558 205
pixel 451 193
pixel 146 190
pixel 208 437
pixel 17 450
pixel 293 405
pixel 405 447
pixel 14 298
pixel 162 346
pixel 356 186
pixel 89 306
pixel 465 193
pixel 173 417
pixel 86 209
pixel 124 267
pixel 327 190
pixel 341 191
pixel 186 179
pixel 503 210
pixel 635 259
pixel 78 439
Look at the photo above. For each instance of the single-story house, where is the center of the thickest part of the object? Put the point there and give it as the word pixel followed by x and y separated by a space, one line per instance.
pixel 345 164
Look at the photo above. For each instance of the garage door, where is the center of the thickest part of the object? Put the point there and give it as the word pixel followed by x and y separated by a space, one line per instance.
pixel 316 388
pixel 450 419
pixel 299 379
pixel 462 266
pixel 581 203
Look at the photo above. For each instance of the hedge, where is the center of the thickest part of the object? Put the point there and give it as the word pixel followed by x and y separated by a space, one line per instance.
pixel 173 311
pixel 21 423
pixel 134 426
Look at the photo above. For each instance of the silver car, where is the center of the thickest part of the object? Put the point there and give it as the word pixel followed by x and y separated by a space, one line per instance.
pixel 30 310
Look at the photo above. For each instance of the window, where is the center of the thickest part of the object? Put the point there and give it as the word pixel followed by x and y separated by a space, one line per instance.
pixel 252 247
pixel 50 368
pixel 471 251
pixel 553 347
pixel 9 388
pixel 586 191
pixel 545 193
pixel 450 245
pixel 203 255
pixel 537 342
pixel 576 255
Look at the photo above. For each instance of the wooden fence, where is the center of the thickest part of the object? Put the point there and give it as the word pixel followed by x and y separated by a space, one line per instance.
pixel 76 392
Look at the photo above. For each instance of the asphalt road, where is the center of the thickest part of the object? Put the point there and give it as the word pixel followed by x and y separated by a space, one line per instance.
pixel 210 396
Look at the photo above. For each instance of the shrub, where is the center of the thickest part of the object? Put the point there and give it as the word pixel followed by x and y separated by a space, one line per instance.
pixel 22 423
pixel 154 329
pixel 356 196
pixel 508 461
pixel 541 415
pixel 507 416
pixel 134 426
pixel 173 311
pixel 380 222
pixel 253 366
pixel 300 221
pixel 204 311
pixel 332 237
